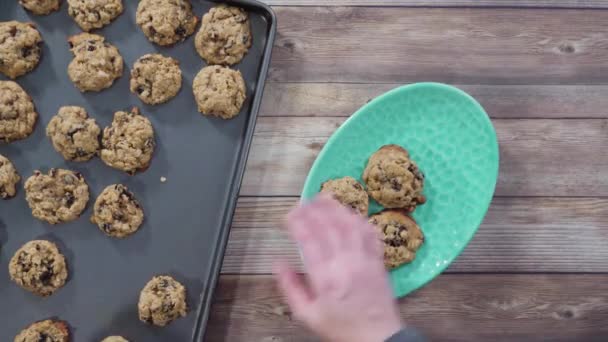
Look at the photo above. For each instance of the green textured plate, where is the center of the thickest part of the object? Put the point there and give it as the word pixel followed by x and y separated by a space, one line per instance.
pixel 454 143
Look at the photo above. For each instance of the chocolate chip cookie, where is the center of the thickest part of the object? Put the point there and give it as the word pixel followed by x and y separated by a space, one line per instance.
pixel 155 78
pixel 96 64
pixel 219 91
pixel 400 235
pixel 225 35
pixel 94 14
pixel 17 113
pixel 45 331
pixel 128 144
pixel 349 192
pixel 74 134
pixel 117 212
pixel 59 196
pixel 40 7
pixel 393 179
pixel 166 22
pixel 19 48
pixel 8 178
pixel 162 300
pixel 114 339
pixel 39 267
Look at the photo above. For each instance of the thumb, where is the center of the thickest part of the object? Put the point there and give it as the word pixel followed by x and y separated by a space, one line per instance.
pixel 296 291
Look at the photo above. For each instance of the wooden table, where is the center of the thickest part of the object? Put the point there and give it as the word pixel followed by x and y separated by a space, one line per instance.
pixel 538 267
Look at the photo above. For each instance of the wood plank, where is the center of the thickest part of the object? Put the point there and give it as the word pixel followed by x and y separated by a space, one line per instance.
pixel 450 45
pixel 518 235
pixel 479 307
pixel 446 3
pixel 538 157
pixel 510 101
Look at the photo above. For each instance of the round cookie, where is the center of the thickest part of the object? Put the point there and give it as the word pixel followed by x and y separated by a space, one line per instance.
pixel 400 236
pixel 39 267
pixel 114 339
pixel 40 7
pixel 156 79
pixel 74 134
pixel 59 196
pixel 219 91
pixel 128 144
pixel 393 179
pixel 349 192
pixel 162 300
pixel 8 178
pixel 17 113
pixel 45 331
pixel 19 48
pixel 225 35
pixel 166 22
pixel 117 212
pixel 94 14
pixel 96 64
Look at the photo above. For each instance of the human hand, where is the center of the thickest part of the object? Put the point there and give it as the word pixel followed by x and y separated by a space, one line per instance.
pixel 346 296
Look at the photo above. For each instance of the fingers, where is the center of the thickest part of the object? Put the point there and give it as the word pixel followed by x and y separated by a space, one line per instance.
pixel 295 291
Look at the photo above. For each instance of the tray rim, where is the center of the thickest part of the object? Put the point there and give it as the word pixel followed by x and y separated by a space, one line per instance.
pixel 206 297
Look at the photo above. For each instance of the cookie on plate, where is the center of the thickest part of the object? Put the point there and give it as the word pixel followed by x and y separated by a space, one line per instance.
pixel 114 339
pixel 225 35
pixel 128 144
pixel 96 64
pixel 74 134
pixel 117 212
pixel 349 192
pixel 45 331
pixel 162 301
pixel 40 7
pixel 17 113
pixel 400 236
pixel 39 267
pixel 393 179
pixel 19 48
pixel 94 14
pixel 219 91
pixel 9 177
pixel 59 196
pixel 166 22
pixel 155 78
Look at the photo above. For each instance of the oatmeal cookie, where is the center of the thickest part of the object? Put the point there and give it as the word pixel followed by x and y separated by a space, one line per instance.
pixel 155 78
pixel 96 64
pixel 349 192
pixel 117 212
pixel 166 22
pixel 74 134
pixel 94 14
pixel 162 300
pixel 114 339
pixel 8 178
pixel 45 331
pixel 219 91
pixel 39 267
pixel 40 7
pixel 400 235
pixel 17 113
pixel 19 48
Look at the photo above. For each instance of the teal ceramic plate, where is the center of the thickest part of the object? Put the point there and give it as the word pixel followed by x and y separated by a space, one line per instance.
pixel 454 143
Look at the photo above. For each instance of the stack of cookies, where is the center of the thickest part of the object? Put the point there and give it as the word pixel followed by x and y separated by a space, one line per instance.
pixel 393 180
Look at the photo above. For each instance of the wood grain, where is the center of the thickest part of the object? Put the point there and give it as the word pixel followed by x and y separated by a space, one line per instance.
pixel 451 308
pixel 450 45
pixel 510 101
pixel 538 157
pixel 446 3
pixel 518 235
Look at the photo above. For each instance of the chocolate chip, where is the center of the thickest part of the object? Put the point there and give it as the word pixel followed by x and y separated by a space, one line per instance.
pixel 91 48
pixel 245 38
pixel 71 45
pixel 42 337
pixel 73 131
pixel 139 89
pixel 26 51
pixel 167 307
pixel 13 31
pixel 81 153
pixel 106 227
pixel 112 60
pixel 357 186
pixel 395 185
pixel 69 199
pixel 180 31
pixel 46 276
pixel 149 143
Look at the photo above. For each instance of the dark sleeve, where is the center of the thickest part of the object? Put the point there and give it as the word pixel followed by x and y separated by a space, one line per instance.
pixel 406 335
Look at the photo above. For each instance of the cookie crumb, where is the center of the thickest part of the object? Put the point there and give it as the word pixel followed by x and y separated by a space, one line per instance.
pixel 163 179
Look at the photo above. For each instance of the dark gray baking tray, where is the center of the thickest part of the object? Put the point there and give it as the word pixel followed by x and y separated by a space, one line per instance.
pixel 187 218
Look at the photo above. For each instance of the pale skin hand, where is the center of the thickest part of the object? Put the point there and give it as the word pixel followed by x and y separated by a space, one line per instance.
pixel 346 296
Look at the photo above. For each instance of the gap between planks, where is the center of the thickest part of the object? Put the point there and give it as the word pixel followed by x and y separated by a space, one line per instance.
pixel 447 3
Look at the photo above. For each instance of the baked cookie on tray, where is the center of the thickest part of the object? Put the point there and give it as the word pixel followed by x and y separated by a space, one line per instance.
pixel 96 64
pixel 155 78
pixel 19 48
pixel 393 179
pixel 114 339
pixel 128 144
pixel 39 267
pixel 166 22
pixel 400 236
pixel 117 212
pixel 59 196
pixel 162 301
pixel 225 35
pixel 349 192
pixel 94 14
pixel 74 134
pixel 9 177
pixel 17 113
pixel 45 331
pixel 40 7
pixel 219 91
